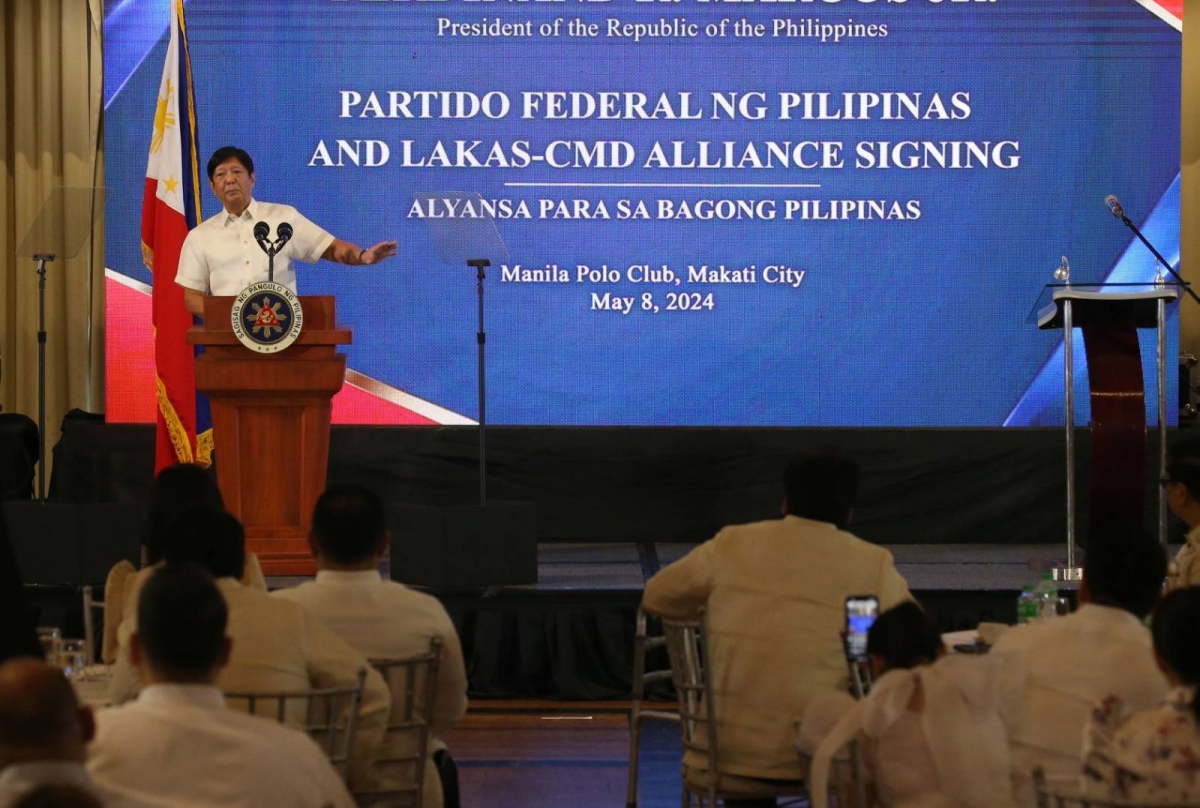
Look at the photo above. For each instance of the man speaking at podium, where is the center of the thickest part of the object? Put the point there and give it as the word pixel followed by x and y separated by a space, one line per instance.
pixel 220 255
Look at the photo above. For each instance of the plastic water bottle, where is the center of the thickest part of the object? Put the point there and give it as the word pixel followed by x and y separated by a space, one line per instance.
pixel 1046 596
pixel 1027 606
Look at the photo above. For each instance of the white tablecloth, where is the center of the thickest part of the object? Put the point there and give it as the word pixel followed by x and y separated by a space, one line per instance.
pixel 91 687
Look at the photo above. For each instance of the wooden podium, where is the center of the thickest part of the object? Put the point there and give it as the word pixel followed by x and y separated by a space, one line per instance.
pixel 270 415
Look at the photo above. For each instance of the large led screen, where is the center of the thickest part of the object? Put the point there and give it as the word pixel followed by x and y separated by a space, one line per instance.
pixel 804 213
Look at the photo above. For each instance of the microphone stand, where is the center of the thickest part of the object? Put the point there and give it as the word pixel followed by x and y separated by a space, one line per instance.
pixel 1128 223
pixel 42 258
pixel 270 251
pixel 480 265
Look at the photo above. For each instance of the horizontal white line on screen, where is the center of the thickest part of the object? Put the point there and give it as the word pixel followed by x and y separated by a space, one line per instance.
pixel 654 185
pixel 125 280
pixel 427 409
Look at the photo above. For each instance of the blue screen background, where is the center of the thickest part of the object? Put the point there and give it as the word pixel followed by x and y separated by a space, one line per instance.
pixel 906 323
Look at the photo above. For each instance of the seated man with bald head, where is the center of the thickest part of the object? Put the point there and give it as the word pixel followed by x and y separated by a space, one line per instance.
pixel 44 731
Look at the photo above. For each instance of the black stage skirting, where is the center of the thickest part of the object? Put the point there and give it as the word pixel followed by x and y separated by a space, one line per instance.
pixel 920 486
pixel 564 649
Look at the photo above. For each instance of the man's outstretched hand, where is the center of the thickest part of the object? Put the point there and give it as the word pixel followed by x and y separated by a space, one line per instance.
pixel 377 253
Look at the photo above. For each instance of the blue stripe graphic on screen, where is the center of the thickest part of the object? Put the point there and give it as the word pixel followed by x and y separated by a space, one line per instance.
pixel 1042 404
pixel 895 296
pixel 131 29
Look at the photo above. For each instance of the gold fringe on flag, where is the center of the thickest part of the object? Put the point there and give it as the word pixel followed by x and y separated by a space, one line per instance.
pixel 204 448
pixel 175 429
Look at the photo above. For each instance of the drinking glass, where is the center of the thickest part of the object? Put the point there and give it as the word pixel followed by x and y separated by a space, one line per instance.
pixel 73 658
pixel 51 640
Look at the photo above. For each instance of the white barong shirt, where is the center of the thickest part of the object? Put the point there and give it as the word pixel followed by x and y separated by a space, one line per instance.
pixel 775 593
pixel 221 255
pixel 384 619
pixel 1064 667
pixel 178 746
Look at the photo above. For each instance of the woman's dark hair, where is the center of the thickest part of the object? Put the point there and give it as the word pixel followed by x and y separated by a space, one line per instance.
pixel 1176 630
pixel 176 488
pixel 210 538
pixel 904 636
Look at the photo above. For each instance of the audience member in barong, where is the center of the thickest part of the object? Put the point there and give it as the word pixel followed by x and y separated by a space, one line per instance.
pixel 1153 755
pixel 382 619
pixel 1061 668
pixel 775 595
pixel 1182 484
pixel 175 489
pixel 930 731
pixel 44 732
pixel 178 744
pixel 277 645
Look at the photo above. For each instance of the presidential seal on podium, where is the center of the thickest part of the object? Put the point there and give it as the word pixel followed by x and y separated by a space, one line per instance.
pixel 266 317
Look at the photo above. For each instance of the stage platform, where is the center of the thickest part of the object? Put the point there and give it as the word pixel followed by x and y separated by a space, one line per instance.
pixel 625 567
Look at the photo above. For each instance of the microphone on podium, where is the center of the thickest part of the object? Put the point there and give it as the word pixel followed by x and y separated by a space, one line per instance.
pixel 1114 206
pixel 284 233
pixel 261 231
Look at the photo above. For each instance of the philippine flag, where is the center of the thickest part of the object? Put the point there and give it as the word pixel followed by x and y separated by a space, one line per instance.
pixel 170 208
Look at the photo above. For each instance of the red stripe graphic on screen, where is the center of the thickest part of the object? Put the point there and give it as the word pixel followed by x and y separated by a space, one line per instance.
pixel 1170 11
pixel 129 359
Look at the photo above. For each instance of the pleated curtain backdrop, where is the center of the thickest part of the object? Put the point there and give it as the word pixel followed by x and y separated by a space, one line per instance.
pixel 51 96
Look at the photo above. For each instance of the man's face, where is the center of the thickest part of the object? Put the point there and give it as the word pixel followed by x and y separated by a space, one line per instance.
pixel 232 184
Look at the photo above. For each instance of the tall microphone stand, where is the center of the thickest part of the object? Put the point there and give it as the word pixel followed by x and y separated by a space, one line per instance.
pixel 42 258
pixel 480 265
pixel 63 224
pixel 476 243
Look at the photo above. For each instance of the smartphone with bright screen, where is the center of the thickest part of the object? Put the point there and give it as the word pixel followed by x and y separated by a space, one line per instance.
pixel 861 611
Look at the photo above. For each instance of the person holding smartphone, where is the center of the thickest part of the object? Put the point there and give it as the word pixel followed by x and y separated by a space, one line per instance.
pixel 930 730
pixel 775 596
